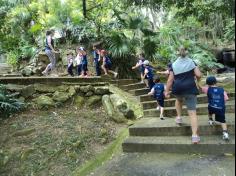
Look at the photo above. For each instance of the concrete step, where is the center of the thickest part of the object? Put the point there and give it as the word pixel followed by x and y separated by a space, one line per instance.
pixel 49 80
pixel 11 75
pixel 122 82
pixel 5 68
pixel 133 86
pixel 148 98
pixel 202 99
pixel 168 127
pixel 139 92
pixel 202 109
pixel 179 144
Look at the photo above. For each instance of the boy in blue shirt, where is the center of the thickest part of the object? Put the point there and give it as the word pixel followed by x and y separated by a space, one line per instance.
pixel 96 60
pixel 216 99
pixel 148 74
pixel 158 93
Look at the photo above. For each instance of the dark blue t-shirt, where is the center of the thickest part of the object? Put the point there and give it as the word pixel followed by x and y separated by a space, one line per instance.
pixel 84 60
pixel 216 97
pixel 184 77
pixel 159 89
pixel 150 74
pixel 95 56
pixel 108 61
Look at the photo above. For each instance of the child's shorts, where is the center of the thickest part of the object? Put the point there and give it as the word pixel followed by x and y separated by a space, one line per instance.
pixel 142 70
pixel 161 102
pixel 85 67
pixel 219 114
pixel 108 66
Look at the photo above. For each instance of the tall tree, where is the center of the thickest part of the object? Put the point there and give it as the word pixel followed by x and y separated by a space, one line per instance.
pixel 84 9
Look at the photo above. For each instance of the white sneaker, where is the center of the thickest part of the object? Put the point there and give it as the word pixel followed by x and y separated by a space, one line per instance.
pixel 179 121
pixel 162 117
pixel 225 136
pixel 158 108
pixel 211 122
pixel 116 74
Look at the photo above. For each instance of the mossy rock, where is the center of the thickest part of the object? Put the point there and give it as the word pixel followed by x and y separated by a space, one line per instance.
pixel 94 100
pixel 72 91
pixel 62 88
pixel 44 102
pixel 60 97
pixel 79 101
pixel 101 90
pixel 28 91
pixel 86 89
pixel 42 88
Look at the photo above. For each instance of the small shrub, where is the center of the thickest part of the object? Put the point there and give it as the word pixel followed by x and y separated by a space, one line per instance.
pixel 8 105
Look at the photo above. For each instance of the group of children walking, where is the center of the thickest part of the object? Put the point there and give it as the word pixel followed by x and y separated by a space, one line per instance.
pixel 101 60
pixel 217 96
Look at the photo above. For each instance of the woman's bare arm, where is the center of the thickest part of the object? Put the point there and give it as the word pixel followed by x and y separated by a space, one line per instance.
pixel 169 83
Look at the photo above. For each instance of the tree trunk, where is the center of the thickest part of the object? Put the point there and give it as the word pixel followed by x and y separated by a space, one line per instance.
pixel 84 9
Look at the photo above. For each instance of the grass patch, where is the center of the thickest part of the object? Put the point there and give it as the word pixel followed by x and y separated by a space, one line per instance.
pixel 112 149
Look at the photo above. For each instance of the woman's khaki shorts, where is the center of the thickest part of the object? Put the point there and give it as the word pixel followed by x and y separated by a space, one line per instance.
pixel 190 101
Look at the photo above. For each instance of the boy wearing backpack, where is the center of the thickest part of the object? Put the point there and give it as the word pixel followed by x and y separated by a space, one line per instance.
pixel 158 93
pixel 216 99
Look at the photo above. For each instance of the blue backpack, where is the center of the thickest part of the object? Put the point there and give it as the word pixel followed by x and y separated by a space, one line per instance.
pixel 216 97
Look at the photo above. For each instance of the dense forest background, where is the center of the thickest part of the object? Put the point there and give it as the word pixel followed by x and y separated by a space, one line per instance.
pixel 124 27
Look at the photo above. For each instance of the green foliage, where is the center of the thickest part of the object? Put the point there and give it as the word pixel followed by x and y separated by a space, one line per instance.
pixel 13 58
pixel 8 105
pixel 230 31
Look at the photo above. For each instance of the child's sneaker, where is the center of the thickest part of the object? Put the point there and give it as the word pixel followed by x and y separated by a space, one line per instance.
pixel 196 139
pixel 226 136
pixel 162 117
pixel 178 120
pixel 211 122
pixel 116 75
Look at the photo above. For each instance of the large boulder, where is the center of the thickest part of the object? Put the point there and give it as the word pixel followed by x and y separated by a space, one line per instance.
pixel 101 90
pixel 60 97
pixel 121 106
pixel 106 102
pixel 44 102
pixel 118 103
pixel 28 91
pixel 111 112
pixel 94 100
pixel 79 101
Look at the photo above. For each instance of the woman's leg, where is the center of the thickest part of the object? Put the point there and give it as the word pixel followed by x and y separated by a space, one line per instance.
pixel 178 107
pixel 104 69
pixel 52 59
pixel 194 121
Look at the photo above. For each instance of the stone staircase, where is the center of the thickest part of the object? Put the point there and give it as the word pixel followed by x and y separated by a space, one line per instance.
pixel 151 134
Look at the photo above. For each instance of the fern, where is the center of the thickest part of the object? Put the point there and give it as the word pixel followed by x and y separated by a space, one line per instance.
pixel 8 106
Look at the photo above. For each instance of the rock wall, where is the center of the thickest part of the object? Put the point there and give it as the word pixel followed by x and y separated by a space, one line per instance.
pixel 43 96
